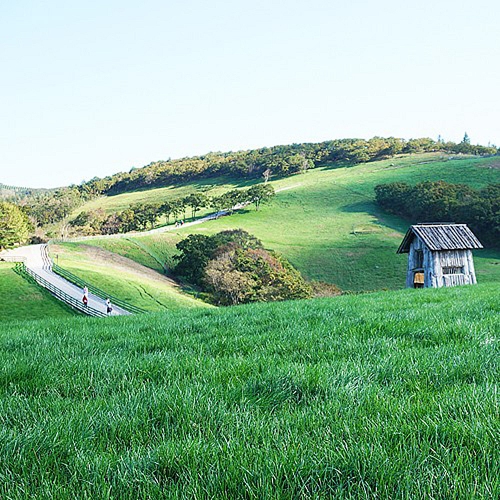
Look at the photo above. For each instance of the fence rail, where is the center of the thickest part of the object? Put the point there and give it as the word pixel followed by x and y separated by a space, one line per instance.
pixel 67 275
pixel 64 297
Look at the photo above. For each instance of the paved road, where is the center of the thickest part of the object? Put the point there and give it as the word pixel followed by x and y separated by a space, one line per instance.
pixel 38 261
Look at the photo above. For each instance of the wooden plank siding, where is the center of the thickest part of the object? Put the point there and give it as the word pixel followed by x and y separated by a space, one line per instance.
pixel 447 255
pixel 435 261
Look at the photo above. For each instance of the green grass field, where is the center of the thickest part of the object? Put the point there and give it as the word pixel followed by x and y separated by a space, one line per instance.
pixel 327 223
pixel 153 251
pixel 116 203
pixel 387 395
pixel 122 278
pixel 23 300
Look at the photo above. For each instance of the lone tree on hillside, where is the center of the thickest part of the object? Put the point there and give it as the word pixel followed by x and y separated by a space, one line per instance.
pixel 261 193
pixel 14 225
pixel 166 209
pixel 196 201
pixel 465 146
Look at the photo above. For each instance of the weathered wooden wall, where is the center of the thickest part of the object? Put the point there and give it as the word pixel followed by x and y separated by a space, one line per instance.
pixel 454 258
pixel 433 266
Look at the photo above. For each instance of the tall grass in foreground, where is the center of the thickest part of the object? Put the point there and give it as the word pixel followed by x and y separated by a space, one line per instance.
pixel 389 395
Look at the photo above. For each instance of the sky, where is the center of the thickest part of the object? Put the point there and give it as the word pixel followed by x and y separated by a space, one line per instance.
pixel 91 88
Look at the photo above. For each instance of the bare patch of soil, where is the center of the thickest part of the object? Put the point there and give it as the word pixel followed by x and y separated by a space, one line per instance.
pixel 118 262
pixel 492 164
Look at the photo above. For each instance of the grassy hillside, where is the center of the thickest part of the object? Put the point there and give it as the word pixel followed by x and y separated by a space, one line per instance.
pixel 211 187
pixel 20 299
pixel 388 395
pixel 327 223
pixel 153 251
pixel 123 278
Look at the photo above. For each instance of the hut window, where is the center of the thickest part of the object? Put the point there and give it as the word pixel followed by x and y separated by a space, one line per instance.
pixel 453 270
pixel 419 259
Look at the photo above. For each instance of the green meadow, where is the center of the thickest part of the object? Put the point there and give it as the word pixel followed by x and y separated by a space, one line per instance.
pixel 211 187
pixel 22 300
pixel 391 394
pixel 328 225
pixel 386 395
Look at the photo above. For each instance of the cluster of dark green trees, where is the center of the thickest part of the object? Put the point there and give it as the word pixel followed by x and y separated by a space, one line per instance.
pixel 232 267
pixel 276 160
pixel 143 216
pixel 46 207
pixel 443 202
pixel 15 227
pixel 54 206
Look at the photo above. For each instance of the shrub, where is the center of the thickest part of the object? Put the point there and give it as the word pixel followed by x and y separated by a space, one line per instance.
pixel 234 268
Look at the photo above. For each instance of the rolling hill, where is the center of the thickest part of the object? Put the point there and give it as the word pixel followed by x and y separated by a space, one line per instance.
pixel 388 394
pixel 326 221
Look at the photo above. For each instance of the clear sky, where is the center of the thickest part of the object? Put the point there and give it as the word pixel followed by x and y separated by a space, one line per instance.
pixel 91 88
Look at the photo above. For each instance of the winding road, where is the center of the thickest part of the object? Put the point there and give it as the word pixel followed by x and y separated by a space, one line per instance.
pixel 36 258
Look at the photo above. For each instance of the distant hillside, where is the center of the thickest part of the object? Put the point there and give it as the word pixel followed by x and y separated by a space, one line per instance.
pixel 325 221
pixel 50 208
pixel 277 161
pixel 19 193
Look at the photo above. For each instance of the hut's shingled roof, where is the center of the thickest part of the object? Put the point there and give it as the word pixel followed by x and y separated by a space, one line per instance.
pixel 441 237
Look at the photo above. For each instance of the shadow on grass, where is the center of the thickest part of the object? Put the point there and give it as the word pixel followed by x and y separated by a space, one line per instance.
pixel 382 218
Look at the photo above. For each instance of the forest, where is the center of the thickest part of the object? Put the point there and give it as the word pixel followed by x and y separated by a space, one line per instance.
pixel 276 161
pixel 46 207
pixel 444 202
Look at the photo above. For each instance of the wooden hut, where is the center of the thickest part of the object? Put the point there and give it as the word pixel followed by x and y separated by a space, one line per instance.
pixel 439 255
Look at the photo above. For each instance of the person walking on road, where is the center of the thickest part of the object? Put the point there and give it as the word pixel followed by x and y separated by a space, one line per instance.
pixel 109 307
pixel 85 295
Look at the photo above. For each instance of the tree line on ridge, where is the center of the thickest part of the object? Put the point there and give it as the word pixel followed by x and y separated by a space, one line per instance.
pixel 444 202
pixel 140 217
pixel 278 160
pixel 46 208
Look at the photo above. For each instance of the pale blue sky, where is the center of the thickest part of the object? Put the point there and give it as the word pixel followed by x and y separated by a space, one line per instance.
pixel 91 88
